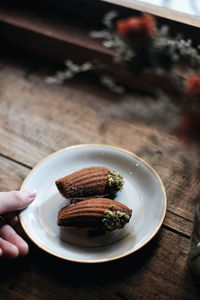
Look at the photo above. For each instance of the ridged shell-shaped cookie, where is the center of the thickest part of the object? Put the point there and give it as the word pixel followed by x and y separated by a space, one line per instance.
pixel 105 214
pixel 93 182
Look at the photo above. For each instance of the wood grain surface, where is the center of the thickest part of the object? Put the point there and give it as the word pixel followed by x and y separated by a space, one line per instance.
pixel 58 37
pixel 37 119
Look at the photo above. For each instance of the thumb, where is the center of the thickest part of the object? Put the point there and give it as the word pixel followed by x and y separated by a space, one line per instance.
pixel 16 200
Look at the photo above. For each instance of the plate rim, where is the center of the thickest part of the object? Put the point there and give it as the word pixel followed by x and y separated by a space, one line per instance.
pixel 106 259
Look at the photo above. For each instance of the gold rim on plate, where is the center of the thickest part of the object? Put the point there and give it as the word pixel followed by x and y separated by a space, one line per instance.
pixel 102 260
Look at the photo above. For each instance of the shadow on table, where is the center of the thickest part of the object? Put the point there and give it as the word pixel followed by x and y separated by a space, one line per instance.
pixel 92 273
pixel 39 261
pixel 194 280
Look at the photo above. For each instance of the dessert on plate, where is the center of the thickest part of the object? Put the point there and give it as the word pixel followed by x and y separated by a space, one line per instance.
pixel 99 214
pixel 93 182
pixel 91 192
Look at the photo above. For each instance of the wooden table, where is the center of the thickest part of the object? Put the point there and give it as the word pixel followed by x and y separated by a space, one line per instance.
pixel 37 119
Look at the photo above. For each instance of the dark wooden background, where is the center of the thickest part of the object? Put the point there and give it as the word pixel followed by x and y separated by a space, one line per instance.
pixel 37 119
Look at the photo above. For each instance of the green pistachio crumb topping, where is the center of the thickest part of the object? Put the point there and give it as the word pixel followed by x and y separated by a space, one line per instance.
pixel 115 180
pixel 114 219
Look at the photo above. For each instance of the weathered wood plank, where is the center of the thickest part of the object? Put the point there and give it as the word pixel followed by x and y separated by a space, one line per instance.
pixel 153 265
pixel 148 265
pixel 152 270
pixel 11 175
pixel 50 35
pixel 37 119
pixel 158 270
pixel 179 224
pixel 57 38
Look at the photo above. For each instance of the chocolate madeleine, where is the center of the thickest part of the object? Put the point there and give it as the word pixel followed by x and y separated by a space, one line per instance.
pixel 90 182
pixel 103 214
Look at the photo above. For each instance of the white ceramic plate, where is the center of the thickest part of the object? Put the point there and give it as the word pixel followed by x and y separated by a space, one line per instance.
pixel 143 192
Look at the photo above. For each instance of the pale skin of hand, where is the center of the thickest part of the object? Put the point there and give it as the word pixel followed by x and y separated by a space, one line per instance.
pixel 11 243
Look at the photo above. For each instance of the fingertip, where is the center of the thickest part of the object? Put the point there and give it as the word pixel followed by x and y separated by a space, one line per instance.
pixel 16 200
pixel 23 248
pixel 1 252
pixel 9 250
pixel 12 253
pixel 12 241
pixel 27 194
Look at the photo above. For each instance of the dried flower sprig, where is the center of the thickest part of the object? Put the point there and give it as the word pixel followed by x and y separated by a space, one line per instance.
pixel 143 47
pixel 70 72
pixel 73 69
pixel 139 42
pixel 111 84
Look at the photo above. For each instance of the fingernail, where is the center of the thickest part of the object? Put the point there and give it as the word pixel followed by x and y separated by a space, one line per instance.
pixel 28 195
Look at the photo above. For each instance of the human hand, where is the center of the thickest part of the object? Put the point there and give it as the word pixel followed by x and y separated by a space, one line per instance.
pixel 11 243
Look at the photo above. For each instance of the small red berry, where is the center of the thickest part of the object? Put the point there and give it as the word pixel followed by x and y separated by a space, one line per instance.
pixel 144 25
pixel 193 85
